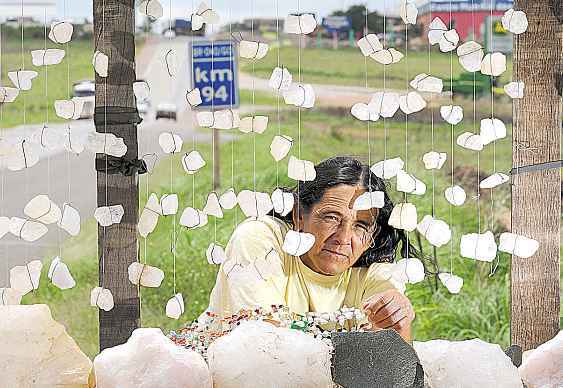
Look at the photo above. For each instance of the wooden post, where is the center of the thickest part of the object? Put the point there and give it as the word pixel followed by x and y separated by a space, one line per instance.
pixel 536 196
pixel 114 28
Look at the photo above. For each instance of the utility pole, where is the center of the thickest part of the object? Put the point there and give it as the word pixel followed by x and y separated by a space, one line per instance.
pixel 536 190
pixel 114 35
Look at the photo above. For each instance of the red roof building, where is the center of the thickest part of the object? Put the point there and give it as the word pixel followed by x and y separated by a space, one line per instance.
pixel 467 15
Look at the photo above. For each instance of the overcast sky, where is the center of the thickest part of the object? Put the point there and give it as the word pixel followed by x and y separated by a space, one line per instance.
pixel 240 9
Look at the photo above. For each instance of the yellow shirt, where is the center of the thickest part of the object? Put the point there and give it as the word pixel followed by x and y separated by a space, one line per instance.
pixel 257 272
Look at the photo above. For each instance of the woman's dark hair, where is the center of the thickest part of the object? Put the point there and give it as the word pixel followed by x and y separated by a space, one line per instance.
pixel 346 170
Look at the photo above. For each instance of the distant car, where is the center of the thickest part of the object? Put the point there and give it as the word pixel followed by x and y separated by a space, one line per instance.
pixel 86 90
pixel 166 111
pixel 169 34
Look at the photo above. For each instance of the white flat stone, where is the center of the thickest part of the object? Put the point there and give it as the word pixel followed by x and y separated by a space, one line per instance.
pixel 150 360
pixel 36 351
pixel 543 366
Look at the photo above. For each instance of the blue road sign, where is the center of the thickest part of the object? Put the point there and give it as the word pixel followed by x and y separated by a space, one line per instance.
pixel 214 71
pixel 337 23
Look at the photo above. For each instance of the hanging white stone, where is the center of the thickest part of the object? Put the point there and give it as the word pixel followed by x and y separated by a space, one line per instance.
pixel 369 45
pixel 470 141
pixel 42 209
pixel 25 278
pixel 175 306
pixel 171 63
pixel 387 169
pixel 280 147
pixel 300 95
pixel 256 124
pixel 9 297
pixel 100 61
pixel 61 32
pixel 215 254
pixel 149 216
pixel 142 90
pixel 212 206
pixel 8 94
pixel 194 97
pixel 494 180
pixel 70 220
pixel 204 14
pixel 493 64
pixel 47 137
pixel 518 245
pixel 409 271
pixel 145 275
pixel 408 12
pixel 515 21
pixel 470 55
pixel 151 8
pixel 222 119
pixel 369 200
pixel 434 160
pixel 253 50
pixel 408 183
pixel 387 56
pixel 452 282
pixel 427 83
pixel 492 130
pixel 363 112
pixel 106 143
pixel 452 114
pixel 101 298
pixel 193 218
pixel 254 204
pixel 411 102
pixel 109 215
pixel 22 155
pixel 228 200
pixel 514 89
pixel 436 30
pixel 301 170
pixel 479 246
pixel 384 104
pixel 192 162
pixel 171 143
pixel 297 243
pixel 22 79
pixel 4 226
pixel 449 41
pixel 74 141
pixel 70 109
pixel 47 57
pixel 280 79
pixel 437 232
pixel 302 24
pixel 27 230
pixel 169 204
pixel 455 195
pixel 282 201
pixel 403 216
pixel 60 275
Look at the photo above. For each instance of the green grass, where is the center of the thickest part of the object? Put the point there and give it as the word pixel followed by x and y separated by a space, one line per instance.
pixel 78 56
pixel 346 66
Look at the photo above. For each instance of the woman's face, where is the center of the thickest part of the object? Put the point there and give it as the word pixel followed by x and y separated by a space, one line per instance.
pixel 342 234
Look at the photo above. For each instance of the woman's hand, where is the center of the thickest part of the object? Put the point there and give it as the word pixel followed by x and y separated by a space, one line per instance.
pixel 390 310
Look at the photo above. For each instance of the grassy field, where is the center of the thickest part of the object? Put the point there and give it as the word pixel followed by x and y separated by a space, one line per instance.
pixel 75 66
pixel 480 310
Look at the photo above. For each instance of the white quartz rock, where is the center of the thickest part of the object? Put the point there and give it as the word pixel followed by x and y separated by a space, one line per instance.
pixel 36 351
pixel 543 367
pixel 468 364
pixel 273 357
pixel 150 360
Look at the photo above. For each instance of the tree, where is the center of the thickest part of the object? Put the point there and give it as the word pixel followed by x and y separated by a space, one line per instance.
pixel 536 195
pixel 114 32
pixel 357 14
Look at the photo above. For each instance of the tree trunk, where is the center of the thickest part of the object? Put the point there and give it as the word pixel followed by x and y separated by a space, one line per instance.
pixel 114 27
pixel 536 195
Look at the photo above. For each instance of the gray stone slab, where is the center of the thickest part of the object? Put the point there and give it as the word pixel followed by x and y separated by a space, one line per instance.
pixel 375 359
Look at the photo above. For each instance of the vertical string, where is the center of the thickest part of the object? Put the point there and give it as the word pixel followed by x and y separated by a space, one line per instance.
pixel 253 104
pixel 213 145
pixel 26 189
pixel 235 219
pixel 432 123
pixel 193 132
pixel 173 219
pixel 384 83
pixel 407 126
pixel 452 149
pixel 105 140
pixel 278 93
pixel 366 32
pixel 494 265
pixel 2 247
pixel 299 119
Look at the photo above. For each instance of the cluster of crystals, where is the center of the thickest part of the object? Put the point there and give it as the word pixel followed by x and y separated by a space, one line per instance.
pixel 200 334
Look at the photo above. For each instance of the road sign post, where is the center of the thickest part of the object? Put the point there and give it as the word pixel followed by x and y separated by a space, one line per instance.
pixel 214 71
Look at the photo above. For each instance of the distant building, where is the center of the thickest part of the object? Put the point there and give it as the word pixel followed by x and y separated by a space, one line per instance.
pixel 33 10
pixel 467 15
pixel 263 24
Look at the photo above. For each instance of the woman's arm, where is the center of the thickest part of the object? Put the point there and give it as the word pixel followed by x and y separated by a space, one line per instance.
pixel 390 310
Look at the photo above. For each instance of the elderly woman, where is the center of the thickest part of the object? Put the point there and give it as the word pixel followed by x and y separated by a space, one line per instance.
pixel 348 265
